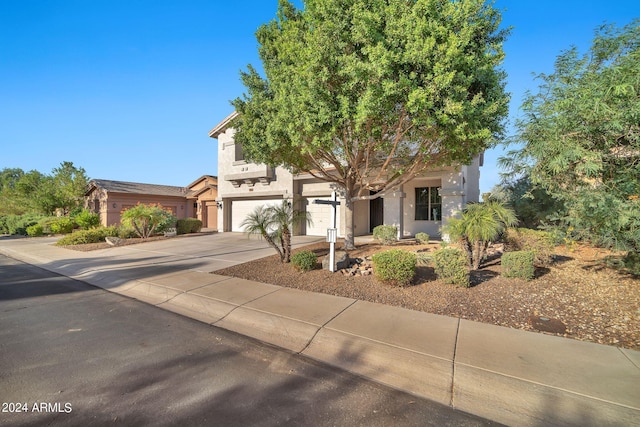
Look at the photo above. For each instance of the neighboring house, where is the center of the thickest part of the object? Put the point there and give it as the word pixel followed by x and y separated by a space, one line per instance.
pixel 109 198
pixel 421 205
pixel 202 196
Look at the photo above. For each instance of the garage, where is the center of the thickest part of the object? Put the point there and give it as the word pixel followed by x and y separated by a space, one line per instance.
pixel 241 208
pixel 321 217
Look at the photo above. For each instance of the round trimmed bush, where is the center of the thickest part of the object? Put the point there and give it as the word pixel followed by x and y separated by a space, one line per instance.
pixel 450 265
pixel 518 264
pixel 304 260
pixel 395 266
pixel 422 238
pixel 386 234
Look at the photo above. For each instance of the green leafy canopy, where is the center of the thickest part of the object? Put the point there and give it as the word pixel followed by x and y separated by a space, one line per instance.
pixel 581 137
pixel 368 94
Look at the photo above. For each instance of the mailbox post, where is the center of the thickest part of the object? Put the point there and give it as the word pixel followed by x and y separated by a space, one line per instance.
pixel 332 232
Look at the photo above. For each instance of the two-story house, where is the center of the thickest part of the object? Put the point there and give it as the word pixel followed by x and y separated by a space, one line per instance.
pixel 421 205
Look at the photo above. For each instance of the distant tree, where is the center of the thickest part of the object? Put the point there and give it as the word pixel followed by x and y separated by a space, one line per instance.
pixel 581 138
pixel 368 94
pixel 10 204
pixel 533 206
pixel 35 192
pixel 69 184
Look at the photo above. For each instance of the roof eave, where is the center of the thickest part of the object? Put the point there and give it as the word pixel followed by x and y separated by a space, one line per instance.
pixel 223 125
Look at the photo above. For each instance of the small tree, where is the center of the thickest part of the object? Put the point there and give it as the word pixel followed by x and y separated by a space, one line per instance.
pixel 147 219
pixel 274 224
pixel 477 226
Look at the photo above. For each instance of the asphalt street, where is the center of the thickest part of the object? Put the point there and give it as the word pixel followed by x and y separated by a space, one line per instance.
pixel 72 354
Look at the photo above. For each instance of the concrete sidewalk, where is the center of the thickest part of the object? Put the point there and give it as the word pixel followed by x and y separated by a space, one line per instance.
pixel 514 377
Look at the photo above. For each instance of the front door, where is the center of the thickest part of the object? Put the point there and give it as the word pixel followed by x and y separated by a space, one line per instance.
pixel 376 212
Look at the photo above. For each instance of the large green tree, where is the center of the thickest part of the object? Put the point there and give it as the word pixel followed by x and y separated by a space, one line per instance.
pixel 34 192
pixel 367 94
pixel 10 202
pixel 581 137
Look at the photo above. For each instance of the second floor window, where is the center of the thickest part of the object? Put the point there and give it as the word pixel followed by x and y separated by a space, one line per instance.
pixel 239 155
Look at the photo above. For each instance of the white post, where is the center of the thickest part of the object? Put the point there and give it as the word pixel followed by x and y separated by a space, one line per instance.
pixel 332 244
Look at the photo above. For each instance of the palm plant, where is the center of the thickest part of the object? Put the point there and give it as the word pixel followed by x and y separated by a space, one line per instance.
pixel 478 225
pixel 274 224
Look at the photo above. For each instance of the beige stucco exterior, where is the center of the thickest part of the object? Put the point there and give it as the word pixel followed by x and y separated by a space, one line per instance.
pixel 202 201
pixel 241 182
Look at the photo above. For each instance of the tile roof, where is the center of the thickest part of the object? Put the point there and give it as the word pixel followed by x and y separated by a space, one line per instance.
pixel 137 188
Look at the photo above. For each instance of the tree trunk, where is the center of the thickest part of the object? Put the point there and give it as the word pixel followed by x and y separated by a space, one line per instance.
pixel 286 244
pixel 477 255
pixel 273 244
pixel 349 240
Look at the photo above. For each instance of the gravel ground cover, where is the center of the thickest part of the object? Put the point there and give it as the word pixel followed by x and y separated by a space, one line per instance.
pixel 577 297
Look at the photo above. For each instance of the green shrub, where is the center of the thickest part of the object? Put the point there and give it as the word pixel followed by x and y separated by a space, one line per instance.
pixel 450 265
pixel 35 230
pixel 386 234
pixel 395 266
pixel 86 219
pixel 62 225
pixel 632 262
pixel 126 232
pixel 188 225
pixel 422 238
pixel 17 224
pixel 518 264
pixel 542 243
pixel 304 260
pixel 94 235
pixel 147 220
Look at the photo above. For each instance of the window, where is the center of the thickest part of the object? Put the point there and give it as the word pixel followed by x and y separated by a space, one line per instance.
pixel 239 155
pixel 428 204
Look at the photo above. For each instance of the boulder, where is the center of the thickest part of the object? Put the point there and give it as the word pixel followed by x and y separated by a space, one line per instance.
pixel 113 241
pixel 341 261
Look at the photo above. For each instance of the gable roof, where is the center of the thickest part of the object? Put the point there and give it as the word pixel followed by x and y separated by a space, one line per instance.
pixel 202 178
pixel 223 125
pixel 136 188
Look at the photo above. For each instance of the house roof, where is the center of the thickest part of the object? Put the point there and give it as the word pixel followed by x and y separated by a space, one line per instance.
pixel 195 193
pixel 223 125
pixel 202 178
pixel 136 188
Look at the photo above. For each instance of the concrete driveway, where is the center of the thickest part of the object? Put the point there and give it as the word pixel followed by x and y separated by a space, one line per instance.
pixel 201 253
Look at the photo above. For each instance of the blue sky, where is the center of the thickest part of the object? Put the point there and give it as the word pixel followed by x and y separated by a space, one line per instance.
pixel 128 89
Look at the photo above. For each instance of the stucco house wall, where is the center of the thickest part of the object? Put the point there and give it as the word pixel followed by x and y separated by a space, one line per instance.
pixel 246 185
pixel 202 203
pixel 198 200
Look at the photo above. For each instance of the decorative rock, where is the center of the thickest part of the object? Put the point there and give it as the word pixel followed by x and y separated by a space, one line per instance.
pixel 341 261
pixel 113 241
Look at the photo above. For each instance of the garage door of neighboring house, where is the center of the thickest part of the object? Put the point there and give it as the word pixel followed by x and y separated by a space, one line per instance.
pixel 241 208
pixel 321 217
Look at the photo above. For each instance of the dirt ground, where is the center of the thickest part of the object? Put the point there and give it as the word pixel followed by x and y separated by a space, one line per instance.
pixel 577 297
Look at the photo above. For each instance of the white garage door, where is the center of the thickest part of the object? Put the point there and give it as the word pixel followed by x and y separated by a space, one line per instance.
pixel 241 208
pixel 321 217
